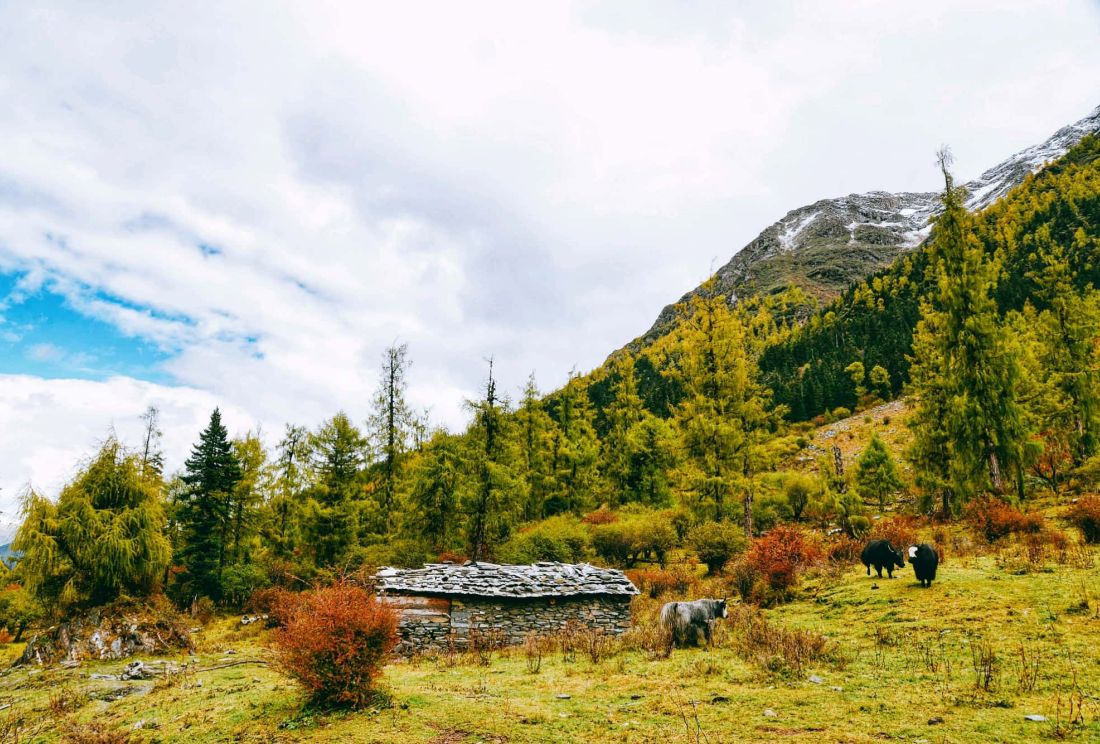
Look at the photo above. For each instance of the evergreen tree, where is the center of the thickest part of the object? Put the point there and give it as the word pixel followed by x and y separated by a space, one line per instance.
pixel 434 515
pixel 338 453
pixel 620 445
pixel 490 498
pixel 391 423
pixel 574 451
pixel 535 431
pixel 876 472
pixel 723 418
pixel 1068 330
pixel 983 424
pixel 284 508
pixel 211 474
pixel 103 538
pixel 248 495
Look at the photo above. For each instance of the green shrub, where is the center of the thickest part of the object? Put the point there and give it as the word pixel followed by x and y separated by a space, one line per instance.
pixel 633 538
pixel 560 538
pixel 716 542
pixel 240 581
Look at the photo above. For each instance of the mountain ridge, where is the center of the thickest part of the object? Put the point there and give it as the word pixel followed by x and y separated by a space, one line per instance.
pixel 826 246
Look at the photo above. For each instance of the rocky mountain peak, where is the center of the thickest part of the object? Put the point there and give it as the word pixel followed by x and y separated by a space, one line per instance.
pixel 826 246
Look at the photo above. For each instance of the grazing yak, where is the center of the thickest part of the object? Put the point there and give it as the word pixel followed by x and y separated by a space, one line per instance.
pixel 688 621
pixel 881 554
pixel 925 559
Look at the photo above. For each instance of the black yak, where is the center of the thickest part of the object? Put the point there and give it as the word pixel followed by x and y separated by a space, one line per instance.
pixel 686 621
pixel 925 559
pixel 881 554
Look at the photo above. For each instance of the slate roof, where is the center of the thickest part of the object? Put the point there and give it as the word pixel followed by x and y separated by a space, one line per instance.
pixel 495 580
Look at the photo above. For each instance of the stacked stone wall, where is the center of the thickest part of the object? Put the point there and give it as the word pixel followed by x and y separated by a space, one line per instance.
pixel 430 622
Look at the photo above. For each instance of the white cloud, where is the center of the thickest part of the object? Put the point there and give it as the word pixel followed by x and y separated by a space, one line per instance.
pixel 529 181
pixel 48 427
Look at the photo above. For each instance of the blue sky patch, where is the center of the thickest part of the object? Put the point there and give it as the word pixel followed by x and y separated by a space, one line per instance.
pixel 42 335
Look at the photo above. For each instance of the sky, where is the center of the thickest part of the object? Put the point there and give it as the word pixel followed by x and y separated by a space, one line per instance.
pixel 243 204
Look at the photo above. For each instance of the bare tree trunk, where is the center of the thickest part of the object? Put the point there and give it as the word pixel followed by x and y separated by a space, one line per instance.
pixel 838 464
pixel 995 473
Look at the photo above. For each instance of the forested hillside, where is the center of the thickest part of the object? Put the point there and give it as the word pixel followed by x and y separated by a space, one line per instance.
pixel 873 321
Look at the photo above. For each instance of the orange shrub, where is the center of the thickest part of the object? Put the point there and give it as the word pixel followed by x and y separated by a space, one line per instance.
pixel 843 549
pixel 457 558
pixel 781 554
pixel 603 515
pixel 995 519
pixel 336 641
pixel 1085 516
pixel 657 582
pixel 900 531
pixel 275 602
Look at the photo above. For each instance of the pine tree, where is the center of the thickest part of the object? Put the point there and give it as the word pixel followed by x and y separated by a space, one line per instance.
pixel 984 426
pixel 211 473
pixel 876 472
pixel 104 537
pixel 391 423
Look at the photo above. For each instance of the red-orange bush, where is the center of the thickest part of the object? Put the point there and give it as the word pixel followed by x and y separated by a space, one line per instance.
pixel 275 602
pixel 603 515
pixel 456 558
pixel 995 519
pixel 1085 516
pixel 900 531
pixel 781 554
pixel 336 641
pixel 657 582
pixel 843 549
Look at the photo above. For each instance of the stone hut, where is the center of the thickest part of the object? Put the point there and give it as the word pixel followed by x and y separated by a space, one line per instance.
pixel 442 602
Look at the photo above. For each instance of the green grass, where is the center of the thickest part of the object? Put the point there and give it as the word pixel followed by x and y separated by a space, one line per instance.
pixel 903 656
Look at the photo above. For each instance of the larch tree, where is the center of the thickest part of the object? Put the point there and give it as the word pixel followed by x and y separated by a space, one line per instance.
pixel 152 456
pixel 104 537
pixel 621 443
pixel 248 494
pixel 391 423
pixel 284 508
pixel 574 450
pixel 338 453
pixel 984 425
pixel 433 515
pixel 876 472
pixel 489 499
pixel 534 430
pixel 724 418
pixel 1069 338
pixel 211 474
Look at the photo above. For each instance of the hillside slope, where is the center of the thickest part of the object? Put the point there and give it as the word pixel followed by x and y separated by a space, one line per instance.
pixel 831 244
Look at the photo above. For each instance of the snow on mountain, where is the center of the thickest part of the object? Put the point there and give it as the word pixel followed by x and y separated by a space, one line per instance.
pixel 828 245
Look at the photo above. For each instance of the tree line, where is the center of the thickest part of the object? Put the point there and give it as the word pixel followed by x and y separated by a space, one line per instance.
pixel 691 442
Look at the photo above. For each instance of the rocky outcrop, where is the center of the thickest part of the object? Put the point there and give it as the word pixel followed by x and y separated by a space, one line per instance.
pixel 111 632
